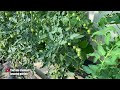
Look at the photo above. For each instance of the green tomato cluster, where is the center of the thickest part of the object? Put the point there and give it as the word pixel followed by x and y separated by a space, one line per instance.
pixel 85 26
pixel 78 51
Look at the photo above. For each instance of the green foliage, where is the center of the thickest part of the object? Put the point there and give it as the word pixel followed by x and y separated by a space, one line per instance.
pixel 113 18
pixel 106 53
pixel 49 36
pixel 61 40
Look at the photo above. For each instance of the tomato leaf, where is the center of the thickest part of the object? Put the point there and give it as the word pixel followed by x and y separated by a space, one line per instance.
pixel 76 36
pixel 87 69
pixel 107 38
pixel 101 50
pixel 118 43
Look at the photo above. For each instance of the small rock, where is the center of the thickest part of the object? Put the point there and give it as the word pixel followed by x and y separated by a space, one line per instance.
pixel 71 78
pixel 38 64
pixel 79 77
pixel 44 70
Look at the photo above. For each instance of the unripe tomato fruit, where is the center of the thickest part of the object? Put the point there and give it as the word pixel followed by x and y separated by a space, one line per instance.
pixel 32 30
pixel 88 31
pixel 74 47
pixel 69 44
pixel 73 14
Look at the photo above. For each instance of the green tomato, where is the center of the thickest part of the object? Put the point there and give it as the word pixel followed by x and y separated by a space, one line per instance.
pixel 69 44
pixel 6 14
pixel 42 41
pixel 40 50
pixel 30 12
pixel 78 50
pixel 88 31
pixel 37 21
pixel 73 14
pixel 11 35
pixel 32 30
pixel 17 12
pixel 33 15
pixel 36 34
pixel 78 54
pixel 78 18
pixel 74 47
pixel 84 25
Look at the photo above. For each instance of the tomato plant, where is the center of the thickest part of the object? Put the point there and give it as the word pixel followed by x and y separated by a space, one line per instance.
pixel 107 50
pixel 29 36
pixel 62 40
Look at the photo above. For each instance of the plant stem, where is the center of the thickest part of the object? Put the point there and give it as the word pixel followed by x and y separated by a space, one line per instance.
pixel 102 63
